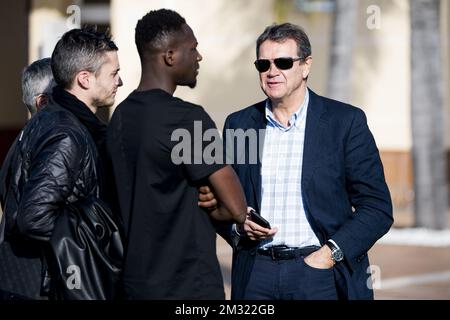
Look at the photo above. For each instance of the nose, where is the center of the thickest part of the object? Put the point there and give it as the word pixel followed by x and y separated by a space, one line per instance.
pixel 199 57
pixel 273 70
pixel 120 83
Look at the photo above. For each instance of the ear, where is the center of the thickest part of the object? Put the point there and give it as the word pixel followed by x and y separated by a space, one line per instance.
pixel 41 101
pixel 169 57
pixel 307 67
pixel 83 79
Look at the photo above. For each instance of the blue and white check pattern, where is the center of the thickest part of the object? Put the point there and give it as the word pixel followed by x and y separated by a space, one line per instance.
pixel 281 172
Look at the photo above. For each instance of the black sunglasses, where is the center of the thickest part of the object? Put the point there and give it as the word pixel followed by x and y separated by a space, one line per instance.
pixel 262 65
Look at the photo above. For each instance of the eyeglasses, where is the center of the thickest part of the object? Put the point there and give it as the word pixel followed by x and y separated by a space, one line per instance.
pixel 262 65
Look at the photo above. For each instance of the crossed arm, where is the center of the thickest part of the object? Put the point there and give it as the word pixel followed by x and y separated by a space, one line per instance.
pixel 227 188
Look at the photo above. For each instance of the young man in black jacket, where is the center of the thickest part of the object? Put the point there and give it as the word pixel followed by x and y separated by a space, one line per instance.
pixel 58 158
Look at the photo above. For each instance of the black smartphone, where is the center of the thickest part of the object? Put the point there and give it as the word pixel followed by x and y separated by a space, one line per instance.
pixel 256 217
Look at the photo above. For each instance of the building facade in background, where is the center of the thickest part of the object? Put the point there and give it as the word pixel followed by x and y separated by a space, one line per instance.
pixel 378 79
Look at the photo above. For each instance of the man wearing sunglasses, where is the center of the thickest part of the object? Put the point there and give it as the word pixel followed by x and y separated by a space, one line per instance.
pixel 318 181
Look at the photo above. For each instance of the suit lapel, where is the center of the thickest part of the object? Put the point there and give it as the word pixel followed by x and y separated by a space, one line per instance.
pixel 315 126
pixel 258 122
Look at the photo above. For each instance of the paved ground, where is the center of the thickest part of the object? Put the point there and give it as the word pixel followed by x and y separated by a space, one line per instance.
pixel 406 272
pixel 410 272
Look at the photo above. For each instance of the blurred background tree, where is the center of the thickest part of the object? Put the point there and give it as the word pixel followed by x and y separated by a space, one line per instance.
pixel 427 112
pixel 343 33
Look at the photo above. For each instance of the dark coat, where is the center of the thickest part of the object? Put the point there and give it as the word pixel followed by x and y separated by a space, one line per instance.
pixel 343 188
pixel 53 161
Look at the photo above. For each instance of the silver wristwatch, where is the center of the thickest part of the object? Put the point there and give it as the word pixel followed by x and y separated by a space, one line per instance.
pixel 336 253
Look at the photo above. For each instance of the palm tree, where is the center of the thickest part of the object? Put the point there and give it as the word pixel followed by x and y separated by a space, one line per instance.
pixel 344 27
pixel 429 157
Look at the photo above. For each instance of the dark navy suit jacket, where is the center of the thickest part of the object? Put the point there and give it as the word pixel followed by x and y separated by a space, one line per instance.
pixel 343 188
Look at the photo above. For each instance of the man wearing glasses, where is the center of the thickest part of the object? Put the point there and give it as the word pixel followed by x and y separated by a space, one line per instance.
pixel 318 181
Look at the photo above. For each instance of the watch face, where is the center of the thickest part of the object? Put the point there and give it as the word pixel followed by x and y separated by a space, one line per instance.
pixel 337 255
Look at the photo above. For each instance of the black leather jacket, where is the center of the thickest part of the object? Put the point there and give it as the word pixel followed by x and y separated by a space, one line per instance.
pixel 56 162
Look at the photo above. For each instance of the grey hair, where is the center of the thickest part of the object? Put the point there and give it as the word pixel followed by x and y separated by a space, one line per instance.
pixel 37 79
pixel 80 50
pixel 283 32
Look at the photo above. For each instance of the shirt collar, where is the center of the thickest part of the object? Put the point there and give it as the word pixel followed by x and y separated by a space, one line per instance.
pixel 299 115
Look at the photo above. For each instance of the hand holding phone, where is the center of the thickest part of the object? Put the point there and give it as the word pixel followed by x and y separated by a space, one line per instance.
pixel 258 219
